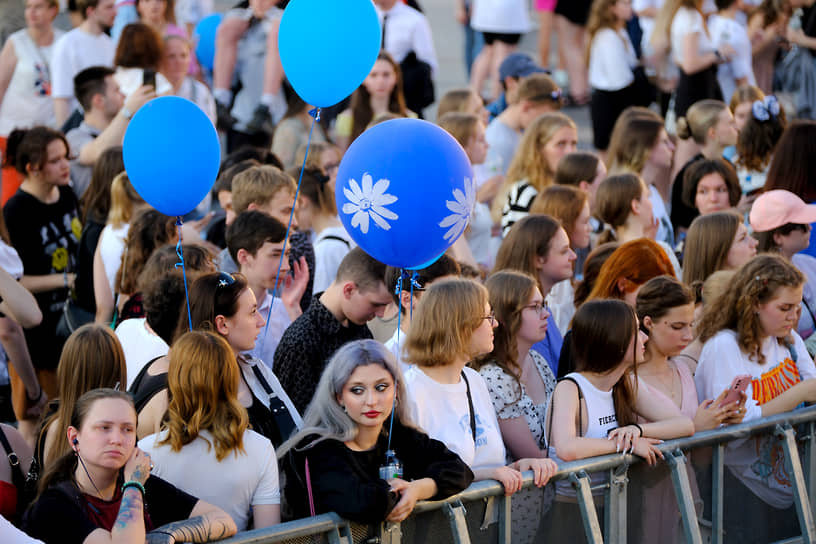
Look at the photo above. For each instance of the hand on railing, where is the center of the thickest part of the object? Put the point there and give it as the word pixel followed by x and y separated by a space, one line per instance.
pixel 624 437
pixel 543 469
pixel 410 493
pixel 647 448
pixel 509 477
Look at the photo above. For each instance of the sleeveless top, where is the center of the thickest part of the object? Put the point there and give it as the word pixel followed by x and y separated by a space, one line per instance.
pixel 688 402
pixel 28 101
pixel 601 419
pixel 146 386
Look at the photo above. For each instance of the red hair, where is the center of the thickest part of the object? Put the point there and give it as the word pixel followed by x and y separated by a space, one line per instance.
pixel 635 263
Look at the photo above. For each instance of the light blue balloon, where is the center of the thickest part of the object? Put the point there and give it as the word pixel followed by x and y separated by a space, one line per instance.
pixel 204 35
pixel 405 192
pixel 171 154
pixel 328 47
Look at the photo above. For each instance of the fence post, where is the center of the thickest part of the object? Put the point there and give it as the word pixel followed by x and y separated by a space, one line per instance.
pixel 583 492
pixel 390 533
pixel 615 507
pixel 505 520
pixel 456 514
pixel 810 467
pixel 717 484
pixel 788 437
pixel 685 500
pixel 336 536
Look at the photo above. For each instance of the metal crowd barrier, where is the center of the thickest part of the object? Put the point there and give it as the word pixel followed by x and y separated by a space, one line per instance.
pixel 460 519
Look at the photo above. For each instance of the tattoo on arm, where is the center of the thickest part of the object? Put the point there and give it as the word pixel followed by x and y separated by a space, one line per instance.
pixel 130 509
pixel 198 529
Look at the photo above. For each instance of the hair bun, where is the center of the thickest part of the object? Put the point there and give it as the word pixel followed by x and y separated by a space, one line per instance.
pixel 683 129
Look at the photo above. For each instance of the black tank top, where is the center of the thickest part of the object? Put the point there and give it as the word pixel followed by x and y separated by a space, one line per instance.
pixel 146 386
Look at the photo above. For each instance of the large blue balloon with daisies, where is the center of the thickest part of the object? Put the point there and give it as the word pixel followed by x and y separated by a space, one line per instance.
pixel 405 191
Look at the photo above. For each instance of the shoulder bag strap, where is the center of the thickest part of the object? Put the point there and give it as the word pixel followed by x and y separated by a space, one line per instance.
pixel 309 489
pixel 17 476
pixel 580 413
pixel 470 408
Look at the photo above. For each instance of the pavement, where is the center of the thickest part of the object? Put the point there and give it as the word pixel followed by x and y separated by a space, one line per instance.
pixel 448 36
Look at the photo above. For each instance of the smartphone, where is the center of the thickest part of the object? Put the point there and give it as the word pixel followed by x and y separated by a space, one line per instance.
pixel 149 77
pixel 739 385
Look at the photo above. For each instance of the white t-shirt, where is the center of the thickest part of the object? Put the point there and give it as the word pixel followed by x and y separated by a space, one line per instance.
pixel 140 346
pixel 74 52
pixel 728 31
pixel 10 260
pixel 688 21
pixel 9 534
pixel 329 251
pixel 408 30
pixel 111 247
pixel 561 301
pixel 234 484
pixel 646 23
pixel 611 60
pixel 502 142
pixel 441 410
pixel 502 16
pixel 395 345
pixel 601 418
pixel 757 462
pixel 277 322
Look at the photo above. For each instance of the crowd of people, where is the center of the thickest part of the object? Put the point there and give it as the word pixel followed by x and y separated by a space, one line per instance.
pixel 605 296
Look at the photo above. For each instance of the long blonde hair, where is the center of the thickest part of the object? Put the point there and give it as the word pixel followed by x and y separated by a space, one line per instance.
pixel 528 163
pixel 124 200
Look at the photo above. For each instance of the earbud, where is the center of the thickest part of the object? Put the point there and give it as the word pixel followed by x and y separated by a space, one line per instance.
pixel 75 442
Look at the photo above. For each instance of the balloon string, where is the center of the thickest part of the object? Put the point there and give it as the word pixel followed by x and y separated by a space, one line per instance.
pixel 398 292
pixel 180 254
pixel 315 113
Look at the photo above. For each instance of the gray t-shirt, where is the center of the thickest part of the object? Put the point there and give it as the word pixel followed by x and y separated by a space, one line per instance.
pixel 78 138
pixel 502 143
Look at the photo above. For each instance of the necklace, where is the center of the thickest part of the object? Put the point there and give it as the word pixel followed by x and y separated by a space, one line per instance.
pixel 668 387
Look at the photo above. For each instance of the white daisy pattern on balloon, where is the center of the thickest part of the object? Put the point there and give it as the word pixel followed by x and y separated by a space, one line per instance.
pixel 462 207
pixel 369 203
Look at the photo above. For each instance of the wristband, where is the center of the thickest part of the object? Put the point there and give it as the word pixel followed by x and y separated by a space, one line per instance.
pixel 639 428
pixel 65 278
pixel 135 484
pixel 720 57
pixel 126 113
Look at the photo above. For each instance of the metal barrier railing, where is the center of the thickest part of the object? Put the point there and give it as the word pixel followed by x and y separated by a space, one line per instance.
pixel 334 530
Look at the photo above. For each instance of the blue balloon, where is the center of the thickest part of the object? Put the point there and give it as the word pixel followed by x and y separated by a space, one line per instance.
pixel 405 192
pixel 328 47
pixel 204 34
pixel 171 154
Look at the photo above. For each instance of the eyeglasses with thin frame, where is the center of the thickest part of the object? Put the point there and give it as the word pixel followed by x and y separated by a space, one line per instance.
pixel 539 307
pixel 491 319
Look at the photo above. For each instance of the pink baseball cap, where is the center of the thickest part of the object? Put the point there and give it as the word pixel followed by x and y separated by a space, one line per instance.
pixel 776 208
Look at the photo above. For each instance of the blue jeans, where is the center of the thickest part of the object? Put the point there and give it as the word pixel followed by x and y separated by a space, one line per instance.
pixel 473 42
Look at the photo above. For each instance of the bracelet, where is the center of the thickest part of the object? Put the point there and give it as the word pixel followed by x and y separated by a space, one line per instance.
pixel 135 484
pixel 65 278
pixel 720 57
pixel 126 113
pixel 639 428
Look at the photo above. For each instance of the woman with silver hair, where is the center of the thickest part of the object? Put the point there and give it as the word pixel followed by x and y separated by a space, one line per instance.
pixel 352 458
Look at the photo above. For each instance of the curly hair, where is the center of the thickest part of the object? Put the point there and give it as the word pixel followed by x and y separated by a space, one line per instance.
pixel 202 382
pixel 757 140
pixel 149 230
pixel 508 292
pixel 757 282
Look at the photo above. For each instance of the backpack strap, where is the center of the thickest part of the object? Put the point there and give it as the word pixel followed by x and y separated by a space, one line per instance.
pixel 17 476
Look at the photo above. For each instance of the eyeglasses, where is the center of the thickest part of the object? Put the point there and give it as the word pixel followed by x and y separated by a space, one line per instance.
pixel 540 307
pixel 491 318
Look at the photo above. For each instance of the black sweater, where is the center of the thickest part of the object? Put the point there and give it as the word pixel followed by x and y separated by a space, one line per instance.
pixel 347 482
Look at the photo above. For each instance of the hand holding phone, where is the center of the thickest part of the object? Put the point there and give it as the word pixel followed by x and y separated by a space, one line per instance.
pixel 738 386
pixel 149 77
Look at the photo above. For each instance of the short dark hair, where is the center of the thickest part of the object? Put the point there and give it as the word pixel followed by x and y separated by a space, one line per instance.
pixel 225 177
pixel 443 266
pixel 90 82
pixel 163 300
pixel 361 268
pixel 703 167
pixel 83 5
pixel 251 230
